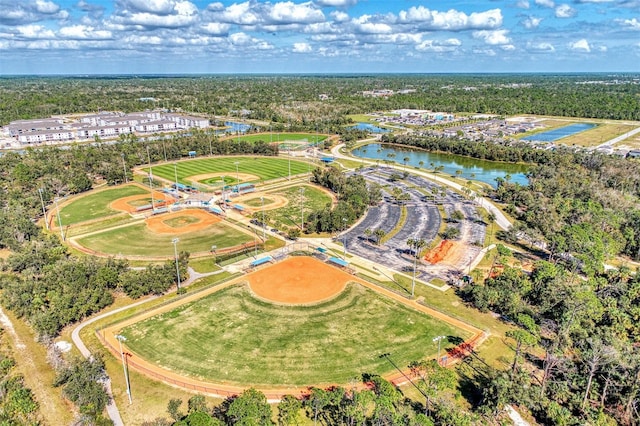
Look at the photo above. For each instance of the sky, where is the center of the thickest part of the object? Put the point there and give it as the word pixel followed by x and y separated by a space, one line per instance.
pixel 318 36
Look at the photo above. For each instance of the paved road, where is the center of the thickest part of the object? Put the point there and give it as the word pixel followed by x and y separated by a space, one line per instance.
pixel 618 139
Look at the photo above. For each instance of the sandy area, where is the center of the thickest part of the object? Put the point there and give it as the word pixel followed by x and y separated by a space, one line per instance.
pixel 301 280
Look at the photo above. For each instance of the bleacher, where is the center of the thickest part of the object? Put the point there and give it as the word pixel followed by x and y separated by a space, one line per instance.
pixel 261 261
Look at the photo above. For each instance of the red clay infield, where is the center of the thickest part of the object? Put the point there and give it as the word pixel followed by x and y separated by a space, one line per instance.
pixel 298 280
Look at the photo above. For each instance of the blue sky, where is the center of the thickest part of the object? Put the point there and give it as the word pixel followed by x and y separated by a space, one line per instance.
pixel 318 36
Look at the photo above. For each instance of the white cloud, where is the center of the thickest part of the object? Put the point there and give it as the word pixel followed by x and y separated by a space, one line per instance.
pixel 565 11
pixel 245 40
pixel 35 32
pixel 302 47
pixel 451 20
pixel 523 4
pixel 447 45
pixel 545 3
pixel 83 32
pixel 496 37
pixel 633 24
pixel 581 45
pixel 508 47
pixel 339 16
pixel 47 7
pixel 531 22
pixel 335 3
pixel 216 28
pixel 363 25
pixel 157 14
pixel 289 12
pixel 540 47
pixel 487 52
pixel 156 7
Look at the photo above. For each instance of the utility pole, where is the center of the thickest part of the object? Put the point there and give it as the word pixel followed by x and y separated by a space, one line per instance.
pixel 175 251
pixel 302 209
pixel 153 207
pixel 44 211
pixel 438 339
pixel 59 219
pixel 124 169
pixel 121 339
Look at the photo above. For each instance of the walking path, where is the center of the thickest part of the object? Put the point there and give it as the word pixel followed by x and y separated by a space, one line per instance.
pixel 112 409
pixel 618 139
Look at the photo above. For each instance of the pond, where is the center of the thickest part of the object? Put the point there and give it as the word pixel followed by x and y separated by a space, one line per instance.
pixel 233 127
pixel 471 168
pixel 369 128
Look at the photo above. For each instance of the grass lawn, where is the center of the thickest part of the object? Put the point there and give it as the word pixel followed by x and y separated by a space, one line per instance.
pixel 137 240
pixel 265 168
pixel 230 336
pixel 95 205
pixel 204 264
pixel 597 135
pixel 257 202
pixel 313 199
pixel 274 137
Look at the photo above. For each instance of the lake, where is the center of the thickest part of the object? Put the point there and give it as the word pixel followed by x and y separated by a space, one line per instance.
pixel 369 128
pixel 472 168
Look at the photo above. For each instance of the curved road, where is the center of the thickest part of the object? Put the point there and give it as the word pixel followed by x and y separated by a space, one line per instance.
pixel 485 203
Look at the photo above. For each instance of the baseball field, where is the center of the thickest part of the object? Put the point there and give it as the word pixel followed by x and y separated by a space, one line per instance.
pixel 295 323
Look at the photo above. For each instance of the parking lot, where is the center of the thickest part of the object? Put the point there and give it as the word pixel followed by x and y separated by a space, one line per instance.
pixel 423 221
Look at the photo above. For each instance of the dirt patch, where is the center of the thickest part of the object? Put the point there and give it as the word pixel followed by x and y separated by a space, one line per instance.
pixel 162 224
pixel 277 201
pixel 244 177
pixel 301 280
pixel 438 253
pixel 129 204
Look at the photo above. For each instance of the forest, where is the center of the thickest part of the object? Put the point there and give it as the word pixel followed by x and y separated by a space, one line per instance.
pixel 574 315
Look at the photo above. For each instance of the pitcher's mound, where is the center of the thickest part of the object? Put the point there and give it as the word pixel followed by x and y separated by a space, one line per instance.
pixel 298 280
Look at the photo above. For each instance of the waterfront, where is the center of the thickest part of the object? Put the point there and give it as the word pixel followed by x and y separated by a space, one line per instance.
pixel 449 164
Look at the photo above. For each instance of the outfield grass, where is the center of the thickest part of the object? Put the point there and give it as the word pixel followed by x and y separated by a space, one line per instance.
pixel 229 336
pixel 137 240
pixel 274 137
pixel 265 168
pixel 312 200
pixel 96 205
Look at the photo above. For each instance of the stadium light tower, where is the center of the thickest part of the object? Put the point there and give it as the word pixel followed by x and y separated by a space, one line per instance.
pixel 237 178
pixel 175 173
pixel 175 252
pixel 153 207
pixel 438 339
pixel 264 239
pixel 59 219
pixel 124 169
pixel 44 211
pixel 302 209
pixel 121 339
pixel 344 239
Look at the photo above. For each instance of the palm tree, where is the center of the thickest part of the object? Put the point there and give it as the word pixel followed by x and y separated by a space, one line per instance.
pixel 368 232
pixel 379 233
pixel 405 160
pixel 420 163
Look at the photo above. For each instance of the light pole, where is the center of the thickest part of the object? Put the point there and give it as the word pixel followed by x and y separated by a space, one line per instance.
pixel 121 339
pixel 289 158
pixel 213 250
pixel 124 169
pixel 153 207
pixel 344 239
pixel 44 211
pixel 175 173
pixel 237 178
pixel 175 252
pixel 438 339
pixel 302 209
pixel 264 239
pixel 59 219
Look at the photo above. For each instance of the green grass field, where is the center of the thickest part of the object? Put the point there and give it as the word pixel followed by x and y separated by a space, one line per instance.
pixel 280 137
pixel 229 336
pixel 137 240
pixel 96 205
pixel 312 200
pixel 265 168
